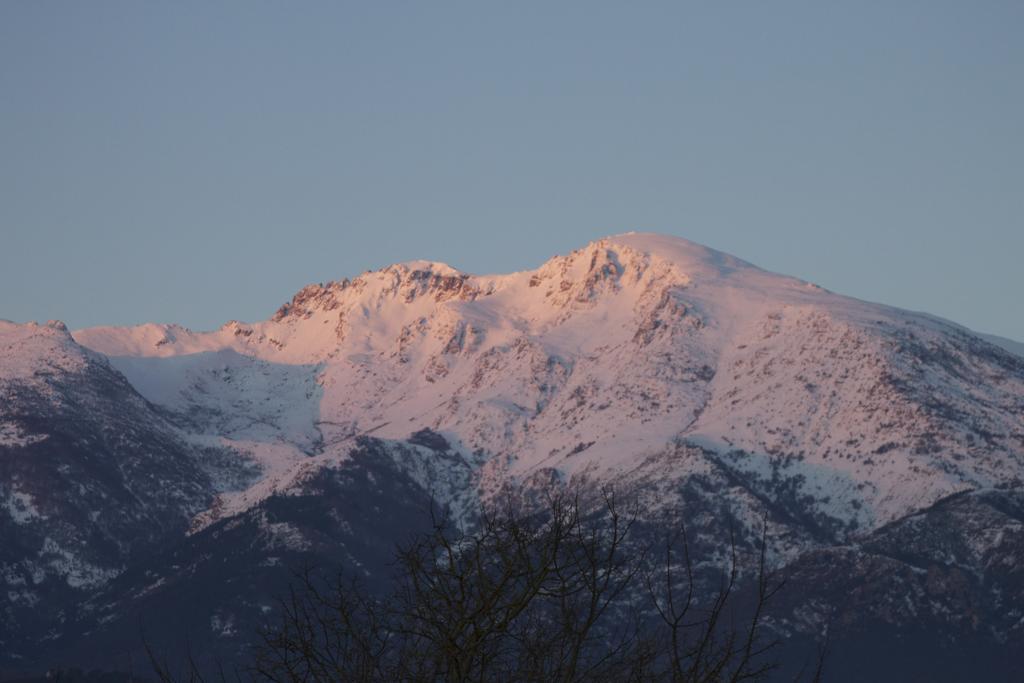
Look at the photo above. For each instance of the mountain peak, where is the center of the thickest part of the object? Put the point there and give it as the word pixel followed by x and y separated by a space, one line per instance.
pixel 422 265
pixel 408 281
pixel 689 256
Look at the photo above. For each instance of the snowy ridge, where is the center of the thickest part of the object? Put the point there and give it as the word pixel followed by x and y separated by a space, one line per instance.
pixel 594 362
pixel 32 351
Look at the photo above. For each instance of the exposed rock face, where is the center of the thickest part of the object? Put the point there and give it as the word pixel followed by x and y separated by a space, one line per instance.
pixel 879 444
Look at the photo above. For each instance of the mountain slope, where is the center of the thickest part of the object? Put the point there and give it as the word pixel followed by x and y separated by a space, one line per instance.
pixel 601 357
pixel 689 379
pixel 91 477
pixel 1007 344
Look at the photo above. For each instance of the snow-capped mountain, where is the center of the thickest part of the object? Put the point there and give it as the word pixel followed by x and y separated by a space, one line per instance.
pixel 593 362
pixel 685 376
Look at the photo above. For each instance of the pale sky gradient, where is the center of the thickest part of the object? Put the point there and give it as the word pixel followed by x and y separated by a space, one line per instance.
pixel 195 162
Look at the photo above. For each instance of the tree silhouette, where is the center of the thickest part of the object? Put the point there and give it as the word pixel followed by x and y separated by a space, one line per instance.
pixel 565 592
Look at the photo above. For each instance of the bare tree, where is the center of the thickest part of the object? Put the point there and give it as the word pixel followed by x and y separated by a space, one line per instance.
pixel 700 647
pixel 563 593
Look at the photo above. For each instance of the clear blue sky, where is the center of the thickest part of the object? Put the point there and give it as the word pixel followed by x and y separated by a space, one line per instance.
pixel 195 162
